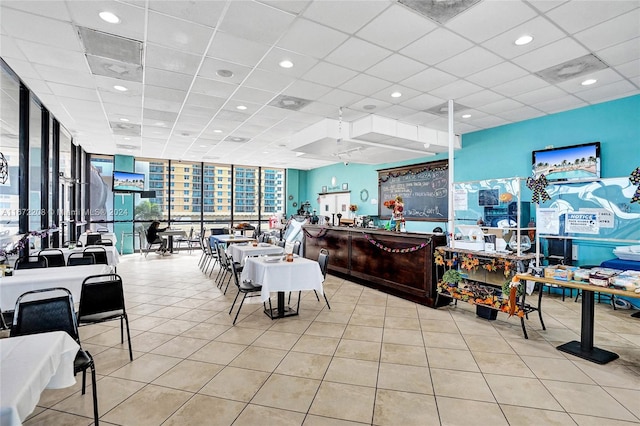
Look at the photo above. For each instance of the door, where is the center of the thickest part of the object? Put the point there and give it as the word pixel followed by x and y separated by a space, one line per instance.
pixel 332 204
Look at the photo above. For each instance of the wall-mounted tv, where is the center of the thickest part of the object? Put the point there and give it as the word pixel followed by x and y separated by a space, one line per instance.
pixel 568 163
pixel 128 182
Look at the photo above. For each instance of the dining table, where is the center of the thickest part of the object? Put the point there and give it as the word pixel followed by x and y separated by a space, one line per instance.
pixel 113 257
pixel 170 233
pixel 28 365
pixel 241 251
pixel 275 274
pixel 229 239
pixel 69 277
pixel 103 235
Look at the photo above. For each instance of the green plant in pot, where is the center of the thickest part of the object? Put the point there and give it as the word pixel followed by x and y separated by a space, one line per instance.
pixel 452 277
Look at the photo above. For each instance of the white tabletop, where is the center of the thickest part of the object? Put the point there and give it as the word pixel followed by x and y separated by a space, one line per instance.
pixel 103 235
pixel 23 280
pixel 241 251
pixel 29 365
pixel 113 257
pixel 172 233
pixel 301 274
pixel 229 239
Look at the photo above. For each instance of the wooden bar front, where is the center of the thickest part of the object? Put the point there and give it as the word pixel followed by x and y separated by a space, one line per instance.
pixel 355 253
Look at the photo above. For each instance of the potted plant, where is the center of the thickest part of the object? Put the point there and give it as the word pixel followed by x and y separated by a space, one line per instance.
pixel 452 277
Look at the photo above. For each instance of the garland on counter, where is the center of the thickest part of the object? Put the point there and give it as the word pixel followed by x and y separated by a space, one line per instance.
pixel 396 250
pixel 471 263
pixel 390 175
pixel 24 241
pixel 323 231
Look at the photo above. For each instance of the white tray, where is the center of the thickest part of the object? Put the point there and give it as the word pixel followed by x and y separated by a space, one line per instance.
pixel 628 253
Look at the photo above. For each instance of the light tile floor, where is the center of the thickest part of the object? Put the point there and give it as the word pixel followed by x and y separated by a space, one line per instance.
pixel 371 359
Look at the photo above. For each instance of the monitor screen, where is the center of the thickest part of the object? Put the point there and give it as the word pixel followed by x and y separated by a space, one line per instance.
pixel 488 197
pixel 568 163
pixel 128 182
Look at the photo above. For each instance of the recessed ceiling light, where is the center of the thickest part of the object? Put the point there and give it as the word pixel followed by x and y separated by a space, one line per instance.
pixel 589 82
pixel 265 152
pixel 241 107
pixel 396 94
pixel 224 73
pixel 217 131
pixel 369 107
pixel 159 123
pixel 109 17
pixel 124 119
pixel 127 139
pixel 522 40
pixel 286 64
pixel 466 116
pixel 120 88
pixel 203 146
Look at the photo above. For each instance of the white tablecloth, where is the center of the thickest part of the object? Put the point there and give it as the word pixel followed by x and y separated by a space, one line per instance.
pixel 243 250
pixel 29 365
pixel 112 254
pixel 229 239
pixel 23 280
pixel 103 235
pixel 301 274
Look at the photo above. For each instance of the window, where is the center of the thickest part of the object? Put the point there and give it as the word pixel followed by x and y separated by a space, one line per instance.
pixel 10 123
pixel 186 184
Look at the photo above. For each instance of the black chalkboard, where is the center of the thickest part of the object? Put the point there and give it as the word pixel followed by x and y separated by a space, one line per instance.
pixel 423 187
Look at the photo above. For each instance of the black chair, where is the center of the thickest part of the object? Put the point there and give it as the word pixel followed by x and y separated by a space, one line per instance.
pixel 144 242
pixel 244 287
pixel 281 243
pixel 55 257
pixel 54 313
pixel 31 263
pixel 323 261
pixel 104 242
pixel 102 299
pixel 93 238
pixel 76 259
pixel 100 254
pixel 296 247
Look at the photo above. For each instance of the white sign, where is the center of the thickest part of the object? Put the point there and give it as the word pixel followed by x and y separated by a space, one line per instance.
pixel 582 223
pixel 460 199
pixel 548 221
pixel 605 217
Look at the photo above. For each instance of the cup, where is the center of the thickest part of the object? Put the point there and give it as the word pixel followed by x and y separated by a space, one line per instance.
pixel 289 257
pixel 255 244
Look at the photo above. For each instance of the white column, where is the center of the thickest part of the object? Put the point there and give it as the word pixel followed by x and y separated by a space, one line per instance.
pixel 452 137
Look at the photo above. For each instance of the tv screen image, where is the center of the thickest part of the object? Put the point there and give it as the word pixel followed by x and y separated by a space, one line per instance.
pixel 128 182
pixel 577 162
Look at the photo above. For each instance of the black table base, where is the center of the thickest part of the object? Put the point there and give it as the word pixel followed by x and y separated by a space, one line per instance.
pixel 281 311
pixel 636 315
pixel 597 355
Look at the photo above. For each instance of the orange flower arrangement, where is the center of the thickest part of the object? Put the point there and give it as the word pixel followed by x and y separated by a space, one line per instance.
pixel 390 204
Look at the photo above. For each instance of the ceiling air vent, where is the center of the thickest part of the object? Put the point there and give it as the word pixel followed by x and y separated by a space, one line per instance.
pixel 572 69
pixel 125 129
pixel 439 10
pixel 111 55
pixel 289 102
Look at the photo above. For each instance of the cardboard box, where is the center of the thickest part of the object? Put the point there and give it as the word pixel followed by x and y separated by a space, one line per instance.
pixel 469 245
pixel 559 272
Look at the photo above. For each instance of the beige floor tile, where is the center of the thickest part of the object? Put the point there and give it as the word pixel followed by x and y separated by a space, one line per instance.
pixel 394 408
pixel 206 331
pixel 364 333
pixel 461 384
pixel 511 390
pixel 180 346
pixel 113 359
pixel 505 364
pixel 452 359
pixel 288 325
pixel 151 405
pixel 407 378
pixel 438 326
pixel 583 420
pixel 147 323
pixel 111 337
pixel 612 374
pixel 169 312
pixel 346 402
pixel 561 370
pixel 276 340
pixel 403 337
pixel 175 327
pixel 197 315
pixel 218 352
pixel 255 414
pixel 146 368
pixel 368 351
pixel 494 344
pixel 588 399
pixel 367 320
pixel 188 375
pixel 148 341
pixel 52 417
pixel 202 409
pixel 316 345
pixel 535 416
pixel 239 335
pixel 312 420
pixel 444 340
pixel 403 354
pixel 256 358
pixel 310 366
pixel 287 393
pixel 530 347
pixel 326 329
pixel 238 384
pixel 457 412
pixel 402 323
pixel 627 397
pixel 352 371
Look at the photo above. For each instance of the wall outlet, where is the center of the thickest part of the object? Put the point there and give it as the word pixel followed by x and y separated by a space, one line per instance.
pixel 574 252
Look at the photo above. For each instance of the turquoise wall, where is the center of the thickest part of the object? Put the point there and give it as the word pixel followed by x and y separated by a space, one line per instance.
pixel 505 151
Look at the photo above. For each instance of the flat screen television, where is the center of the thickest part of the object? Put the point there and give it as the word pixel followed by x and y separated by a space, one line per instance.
pixel 128 182
pixel 568 163
pixel 488 197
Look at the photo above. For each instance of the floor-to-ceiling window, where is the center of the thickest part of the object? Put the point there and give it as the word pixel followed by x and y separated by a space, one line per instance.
pixel 35 169
pixel 9 158
pixel 216 195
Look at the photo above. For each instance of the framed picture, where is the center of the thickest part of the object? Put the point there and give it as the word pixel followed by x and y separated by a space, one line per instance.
pixel 345 186
pixel 324 189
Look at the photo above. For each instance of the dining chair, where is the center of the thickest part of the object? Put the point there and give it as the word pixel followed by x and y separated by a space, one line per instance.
pixel 246 288
pixel 77 259
pixel 55 257
pixel 104 242
pixel 144 242
pixel 31 262
pixel 102 299
pixel 34 314
pixel 93 238
pixel 66 244
pixel 100 254
pixel 323 262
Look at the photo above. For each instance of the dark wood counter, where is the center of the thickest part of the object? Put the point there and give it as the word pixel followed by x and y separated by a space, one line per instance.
pixel 372 257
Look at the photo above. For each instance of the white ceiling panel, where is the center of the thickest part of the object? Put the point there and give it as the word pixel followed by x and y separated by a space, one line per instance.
pixel 429 79
pixel 541 29
pixel 306 37
pixel 621 53
pixel 38 53
pixel 301 63
pixel 396 67
pixel 26 26
pixel 231 48
pixel 79 78
pixel 456 90
pixel 203 12
pixel 365 85
pixel 86 14
pixel 178 34
pixel 550 55
pixel 213 88
pixel 73 92
pixel 612 32
pixel 55 9
pixel 265 80
pixel 340 97
pixel 329 74
pixel 436 46
pixel 255 21
pixel 480 99
pixel 163 78
pixel 306 90
pixel 552 106
pixel 608 92
pixel 171 60
pixel 498 74
pixel 357 54
pixel 471 61
pixel 385 31
pixel 575 17
pixel 520 85
pixel 346 16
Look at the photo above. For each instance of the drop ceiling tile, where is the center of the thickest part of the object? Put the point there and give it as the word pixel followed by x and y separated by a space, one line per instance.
pixel 456 90
pixel 40 87
pixel 436 46
pixel 542 31
pixel 469 62
pixel 256 96
pixel 360 105
pixel 406 92
pixel 270 81
pixel 396 112
pixel 306 37
pixel 48 8
pixel 423 102
pixel 519 114
pixel 520 85
pixel 323 110
pixel 396 68
pixel 329 74
pixel 550 55
pixel 211 66
pixel 164 94
pixel 539 95
pixel 155 132
pixel 365 85
pixel 631 69
pixel 488 19
pixel 200 100
pixel 604 77
pixel 306 90
pixel 158 116
pixel 340 97
pixel 131 25
pixel 347 16
pixel 496 75
pixel 255 21
pixel 357 54
pixel 490 121
pixel 178 34
pixel 301 63
pixel 612 32
pixel 10 49
pixel 621 53
pixel 164 78
pixel 202 12
pixel 24 69
pixel 213 88
pixel 231 48
pixel 293 6
pixel 428 80
pixel 133 113
pixel 546 5
pixel 557 105
pixel 158 104
pixel 578 16
pixel 120 99
pixel 200 111
pixel 395 28
pixel 421 118
pixel 171 60
pixel 501 106
pixel 79 78
pixel 608 92
pixel 479 99
pixel 38 29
